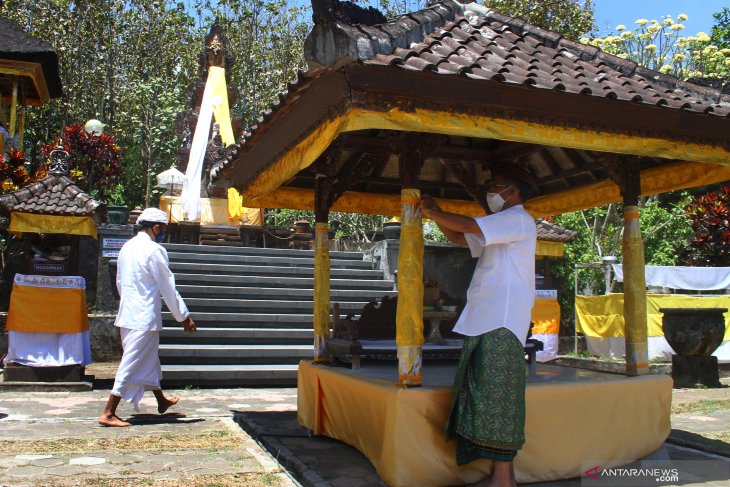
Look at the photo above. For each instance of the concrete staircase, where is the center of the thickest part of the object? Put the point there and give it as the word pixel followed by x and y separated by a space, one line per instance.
pixel 253 310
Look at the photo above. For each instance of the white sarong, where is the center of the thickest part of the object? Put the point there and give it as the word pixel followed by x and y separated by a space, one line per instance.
pixel 139 369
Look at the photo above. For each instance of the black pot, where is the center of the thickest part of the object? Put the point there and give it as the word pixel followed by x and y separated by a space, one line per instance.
pixel 391 230
pixel 693 331
pixel 118 215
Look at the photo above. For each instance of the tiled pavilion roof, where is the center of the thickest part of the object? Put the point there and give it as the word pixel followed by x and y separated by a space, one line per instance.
pixel 466 60
pixel 485 45
pixel 551 232
pixel 53 195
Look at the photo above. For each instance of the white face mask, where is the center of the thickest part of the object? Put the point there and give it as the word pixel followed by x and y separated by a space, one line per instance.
pixel 495 201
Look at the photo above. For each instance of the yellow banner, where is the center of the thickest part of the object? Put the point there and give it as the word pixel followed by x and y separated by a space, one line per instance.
pixel 47 310
pixel 34 223
pixel 603 316
pixel 217 82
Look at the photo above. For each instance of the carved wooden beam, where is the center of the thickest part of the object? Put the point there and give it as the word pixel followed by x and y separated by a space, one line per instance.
pixel 469 183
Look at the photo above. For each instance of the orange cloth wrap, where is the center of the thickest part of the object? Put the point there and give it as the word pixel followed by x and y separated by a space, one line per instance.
pixel 47 310
pixel 546 316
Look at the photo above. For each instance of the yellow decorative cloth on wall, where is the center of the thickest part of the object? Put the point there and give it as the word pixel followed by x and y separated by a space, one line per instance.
pixel 401 430
pixel 546 316
pixel 48 304
pixel 35 223
pixel 213 212
pixel 603 316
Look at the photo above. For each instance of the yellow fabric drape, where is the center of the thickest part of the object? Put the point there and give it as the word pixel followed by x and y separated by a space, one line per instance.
pixel 546 316
pixel 409 313
pixel 602 316
pixel 35 223
pixel 656 180
pixel 707 164
pixel 235 204
pixel 47 310
pixel 401 430
pixel 217 83
pixel 238 212
pixel 321 290
pixel 549 249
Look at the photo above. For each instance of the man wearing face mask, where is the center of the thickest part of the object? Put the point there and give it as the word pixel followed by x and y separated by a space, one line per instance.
pixel 143 276
pixel 488 400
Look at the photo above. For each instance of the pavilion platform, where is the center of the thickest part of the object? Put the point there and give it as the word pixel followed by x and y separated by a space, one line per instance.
pixel 576 419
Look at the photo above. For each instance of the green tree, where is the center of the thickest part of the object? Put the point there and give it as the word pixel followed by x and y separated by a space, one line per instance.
pixel 666 231
pixel 662 47
pixel 571 18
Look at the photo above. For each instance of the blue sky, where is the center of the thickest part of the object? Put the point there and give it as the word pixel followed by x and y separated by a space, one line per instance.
pixel 610 13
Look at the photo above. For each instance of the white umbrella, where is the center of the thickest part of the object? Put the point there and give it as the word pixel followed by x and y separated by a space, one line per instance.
pixel 170 177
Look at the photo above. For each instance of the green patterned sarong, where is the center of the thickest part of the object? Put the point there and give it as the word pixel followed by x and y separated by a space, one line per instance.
pixel 488 400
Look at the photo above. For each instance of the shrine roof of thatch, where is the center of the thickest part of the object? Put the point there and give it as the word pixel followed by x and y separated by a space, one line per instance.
pixel 468 88
pixel 24 55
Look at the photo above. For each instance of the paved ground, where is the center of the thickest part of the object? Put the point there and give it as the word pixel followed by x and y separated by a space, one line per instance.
pixel 215 437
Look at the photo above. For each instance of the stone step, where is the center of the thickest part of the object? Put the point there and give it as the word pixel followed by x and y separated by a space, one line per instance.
pixel 242 336
pixel 258 260
pixel 233 354
pixel 264 270
pixel 244 320
pixel 277 293
pixel 183 278
pixel 222 375
pixel 201 249
pixel 203 305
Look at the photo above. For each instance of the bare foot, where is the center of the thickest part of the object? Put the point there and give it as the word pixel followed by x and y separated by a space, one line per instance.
pixel 164 405
pixel 113 421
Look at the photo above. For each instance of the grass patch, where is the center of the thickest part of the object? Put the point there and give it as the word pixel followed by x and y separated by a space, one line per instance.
pixel 701 406
pixel 225 480
pixel 209 440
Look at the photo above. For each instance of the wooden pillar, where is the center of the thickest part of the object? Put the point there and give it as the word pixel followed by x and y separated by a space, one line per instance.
pixel 13 108
pixel 21 128
pixel 635 326
pixel 409 314
pixel 321 310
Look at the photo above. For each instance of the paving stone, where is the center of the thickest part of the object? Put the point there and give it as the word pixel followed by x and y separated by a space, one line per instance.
pixel 49 462
pixel 31 458
pixel 25 471
pixel 68 470
pixel 87 461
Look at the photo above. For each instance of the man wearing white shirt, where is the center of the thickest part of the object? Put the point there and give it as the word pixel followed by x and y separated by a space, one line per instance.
pixel 488 403
pixel 143 276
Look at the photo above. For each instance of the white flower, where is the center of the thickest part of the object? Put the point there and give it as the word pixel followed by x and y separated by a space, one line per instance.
pixel 665 69
pixel 702 37
pixel 678 27
pixel 620 27
pixel 642 22
pixel 682 17
pixel 668 21
pixel 651 47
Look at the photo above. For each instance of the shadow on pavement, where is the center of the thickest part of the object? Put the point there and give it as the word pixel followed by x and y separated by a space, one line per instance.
pixel 169 418
pixel 312 460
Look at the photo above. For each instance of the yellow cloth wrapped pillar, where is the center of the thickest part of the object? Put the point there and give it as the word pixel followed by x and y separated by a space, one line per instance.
pixel 409 315
pixel 637 352
pixel 321 290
